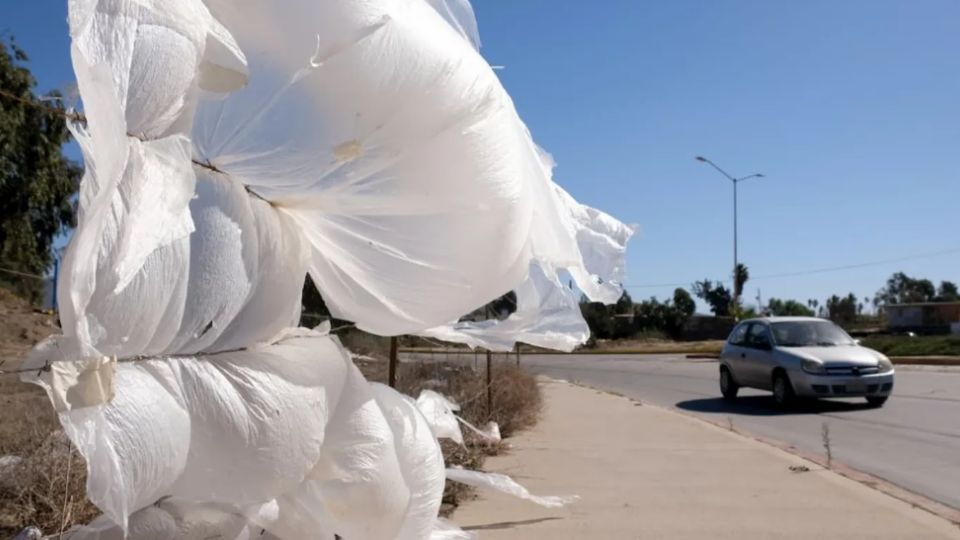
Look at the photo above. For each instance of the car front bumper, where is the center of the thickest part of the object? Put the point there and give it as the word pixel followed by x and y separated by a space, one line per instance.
pixel 810 385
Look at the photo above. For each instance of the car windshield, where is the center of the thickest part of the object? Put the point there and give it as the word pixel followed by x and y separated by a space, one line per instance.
pixel 809 334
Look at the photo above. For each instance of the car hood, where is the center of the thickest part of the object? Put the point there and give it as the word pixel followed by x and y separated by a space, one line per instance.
pixel 843 355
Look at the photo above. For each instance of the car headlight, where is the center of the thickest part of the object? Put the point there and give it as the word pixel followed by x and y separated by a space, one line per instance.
pixel 885 365
pixel 813 366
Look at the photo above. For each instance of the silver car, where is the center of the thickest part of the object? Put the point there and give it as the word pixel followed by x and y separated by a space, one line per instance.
pixel 802 357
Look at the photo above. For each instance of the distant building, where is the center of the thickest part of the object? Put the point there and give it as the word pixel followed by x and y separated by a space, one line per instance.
pixel 926 317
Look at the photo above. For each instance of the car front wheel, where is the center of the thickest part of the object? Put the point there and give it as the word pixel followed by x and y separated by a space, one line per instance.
pixel 782 390
pixel 728 386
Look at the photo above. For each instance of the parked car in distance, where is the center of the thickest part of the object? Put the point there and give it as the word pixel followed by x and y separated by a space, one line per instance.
pixel 802 357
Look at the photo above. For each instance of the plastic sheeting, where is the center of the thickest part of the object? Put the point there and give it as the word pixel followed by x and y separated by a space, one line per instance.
pixel 230 149
pixel 547 315
pixel 381 132
pixel 292 423
pixel 505 484
pixel 440 414
pixel 374 130
pixel 164 259
pixel 548 311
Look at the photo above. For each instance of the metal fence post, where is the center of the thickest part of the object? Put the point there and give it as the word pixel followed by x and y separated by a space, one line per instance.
pixel 56 279
pixel 392 375
pixel 489 384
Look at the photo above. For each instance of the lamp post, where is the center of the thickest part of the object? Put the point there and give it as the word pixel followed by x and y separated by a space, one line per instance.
pixel 734 181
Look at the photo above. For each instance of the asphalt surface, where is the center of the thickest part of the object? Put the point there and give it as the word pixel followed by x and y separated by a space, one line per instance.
pixel 913 441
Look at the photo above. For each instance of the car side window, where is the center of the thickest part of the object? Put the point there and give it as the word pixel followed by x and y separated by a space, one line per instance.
pixel 759 336
pixel 739 335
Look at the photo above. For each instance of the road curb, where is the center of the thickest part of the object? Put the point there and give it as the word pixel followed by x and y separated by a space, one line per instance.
pixel 940 361
pixel 886 487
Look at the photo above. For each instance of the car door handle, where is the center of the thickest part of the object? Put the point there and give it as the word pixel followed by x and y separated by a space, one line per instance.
pixel 743 355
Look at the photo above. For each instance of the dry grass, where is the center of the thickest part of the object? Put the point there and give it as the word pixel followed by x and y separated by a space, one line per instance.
pixel 46 489
pixel 36 489
pixel 654 346
pixel 516 405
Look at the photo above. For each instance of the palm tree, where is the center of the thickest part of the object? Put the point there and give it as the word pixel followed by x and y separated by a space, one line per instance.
pixel 740 279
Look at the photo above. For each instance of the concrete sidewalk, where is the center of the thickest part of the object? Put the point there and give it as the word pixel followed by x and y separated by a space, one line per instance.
pixel 645 472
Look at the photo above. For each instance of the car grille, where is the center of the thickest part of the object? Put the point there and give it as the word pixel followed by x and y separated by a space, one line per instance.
pixel 841 389
pixel 854 371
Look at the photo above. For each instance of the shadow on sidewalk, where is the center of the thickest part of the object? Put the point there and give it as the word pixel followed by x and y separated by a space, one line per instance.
pixel 765 406
pixel 507 524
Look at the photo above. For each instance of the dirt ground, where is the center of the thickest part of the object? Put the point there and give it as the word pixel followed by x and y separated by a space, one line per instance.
pixel 25 407
pixel 41 477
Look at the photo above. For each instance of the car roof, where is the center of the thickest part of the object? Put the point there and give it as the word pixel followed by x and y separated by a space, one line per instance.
pixel 784 319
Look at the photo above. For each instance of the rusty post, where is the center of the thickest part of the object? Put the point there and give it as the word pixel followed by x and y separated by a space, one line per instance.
pixel 392 377
pixel 489 384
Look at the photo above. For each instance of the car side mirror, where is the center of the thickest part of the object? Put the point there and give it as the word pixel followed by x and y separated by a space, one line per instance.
pixel 765 346
pixel 856 342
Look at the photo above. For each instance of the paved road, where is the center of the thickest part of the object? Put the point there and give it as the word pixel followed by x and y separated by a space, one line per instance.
pixel 914 441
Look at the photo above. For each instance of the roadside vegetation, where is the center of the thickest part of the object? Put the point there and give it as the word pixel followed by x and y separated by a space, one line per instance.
pixel 914 346
pixel 671 326
pixel 42 479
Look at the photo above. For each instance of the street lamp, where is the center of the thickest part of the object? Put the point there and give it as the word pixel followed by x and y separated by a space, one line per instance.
pixel 735 181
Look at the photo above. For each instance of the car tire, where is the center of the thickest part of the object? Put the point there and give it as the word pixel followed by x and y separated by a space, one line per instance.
pixel 783 394
pixel 877 401
pixel 728 386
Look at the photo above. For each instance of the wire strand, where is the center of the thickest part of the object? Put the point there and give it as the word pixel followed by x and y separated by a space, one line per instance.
pixel 75 116
pixel 24 274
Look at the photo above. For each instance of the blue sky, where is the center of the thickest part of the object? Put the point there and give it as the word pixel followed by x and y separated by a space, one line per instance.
pixel 851 109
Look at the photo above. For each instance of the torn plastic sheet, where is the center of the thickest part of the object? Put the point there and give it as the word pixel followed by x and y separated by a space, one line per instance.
pixel 440 414
pixel 82 383
pixel 547 315
pixel 505 484
pixel 602 242
pixel 447 530
pixel 548 312
pixel 229 150
pixel 389 152
pixel 491 433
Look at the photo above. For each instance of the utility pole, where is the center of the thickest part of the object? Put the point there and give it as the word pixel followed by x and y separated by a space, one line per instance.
pixel 736 261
